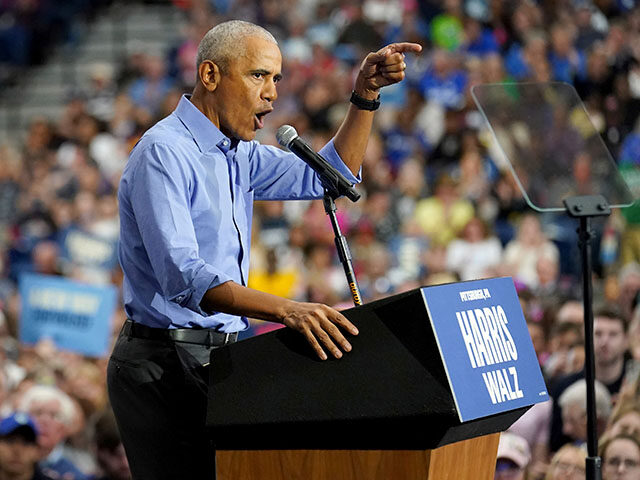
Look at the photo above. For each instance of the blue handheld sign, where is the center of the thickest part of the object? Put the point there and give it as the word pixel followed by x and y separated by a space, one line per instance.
pixel 485 347
pixel 75 316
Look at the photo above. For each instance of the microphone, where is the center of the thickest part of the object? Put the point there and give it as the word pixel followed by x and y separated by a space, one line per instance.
pixel 332 180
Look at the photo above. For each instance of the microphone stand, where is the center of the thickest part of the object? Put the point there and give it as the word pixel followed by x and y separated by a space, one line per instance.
pixel 343 247
pixel 335 185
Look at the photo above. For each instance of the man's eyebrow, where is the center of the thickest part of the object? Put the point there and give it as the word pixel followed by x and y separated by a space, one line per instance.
pixel 277 76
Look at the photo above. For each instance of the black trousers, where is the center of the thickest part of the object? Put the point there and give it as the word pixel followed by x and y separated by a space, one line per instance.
pixel 158 392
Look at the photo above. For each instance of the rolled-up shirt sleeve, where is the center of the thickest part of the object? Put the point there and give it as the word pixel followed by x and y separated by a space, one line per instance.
pixel 280 175
pixel 159 192
pixel 330 154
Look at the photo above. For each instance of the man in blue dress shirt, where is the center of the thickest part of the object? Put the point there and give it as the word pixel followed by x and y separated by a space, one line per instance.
pixel 186 199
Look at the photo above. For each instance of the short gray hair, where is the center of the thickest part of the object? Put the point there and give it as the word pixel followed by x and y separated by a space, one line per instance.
pixel 221 42
pixel 47 393
pixel 576 395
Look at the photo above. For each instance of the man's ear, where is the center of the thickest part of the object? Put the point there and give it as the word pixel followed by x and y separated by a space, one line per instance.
pixel 209 75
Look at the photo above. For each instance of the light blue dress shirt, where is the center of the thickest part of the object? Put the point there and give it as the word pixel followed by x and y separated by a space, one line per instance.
pixel 186 203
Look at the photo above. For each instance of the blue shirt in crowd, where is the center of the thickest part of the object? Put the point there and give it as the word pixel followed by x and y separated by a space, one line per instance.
pixel 186 204
pixel 447 91
pixel 484 45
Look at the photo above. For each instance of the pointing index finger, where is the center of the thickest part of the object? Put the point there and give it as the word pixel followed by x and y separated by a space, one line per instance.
pixel 403 47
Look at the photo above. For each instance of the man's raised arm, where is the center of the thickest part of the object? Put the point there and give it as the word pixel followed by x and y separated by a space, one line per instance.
pixel 378 69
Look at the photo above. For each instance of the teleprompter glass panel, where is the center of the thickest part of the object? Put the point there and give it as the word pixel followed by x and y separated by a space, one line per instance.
pixel 551 145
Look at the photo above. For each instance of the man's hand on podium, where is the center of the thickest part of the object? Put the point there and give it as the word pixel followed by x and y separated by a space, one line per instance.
pixel 319 324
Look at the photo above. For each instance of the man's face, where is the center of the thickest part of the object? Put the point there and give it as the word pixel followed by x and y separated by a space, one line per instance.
pixel 247 89
pixel 17 456
pixel 51 429
pixel 609 340
pixel 574 422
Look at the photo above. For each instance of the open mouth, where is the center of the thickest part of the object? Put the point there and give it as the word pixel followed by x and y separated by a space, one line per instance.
pixel 260 118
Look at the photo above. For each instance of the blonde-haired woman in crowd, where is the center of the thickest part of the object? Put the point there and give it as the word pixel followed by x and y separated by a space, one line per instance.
pixel 625 419
pixel 567 464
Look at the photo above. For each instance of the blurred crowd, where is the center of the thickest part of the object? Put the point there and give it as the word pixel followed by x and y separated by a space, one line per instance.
pixel 29 29
pixel 438 206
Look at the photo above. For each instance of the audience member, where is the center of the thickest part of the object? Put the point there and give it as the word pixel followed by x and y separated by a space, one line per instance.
pixel 513 457
pixel 521 255
pixel 53 413
pixel 625 419
pixel 568 464
pixel 475 253
pixel 534 426
pixel 620 457
pixel 610 350
pixel 573 406
pixel 19 449
pixel 566 351
pixel 445 214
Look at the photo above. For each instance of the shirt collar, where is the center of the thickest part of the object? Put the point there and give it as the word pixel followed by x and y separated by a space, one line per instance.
pixel 204 132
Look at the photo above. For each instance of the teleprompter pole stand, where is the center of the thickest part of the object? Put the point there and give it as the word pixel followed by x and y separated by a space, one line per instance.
pixel 583 208
pixel 343 248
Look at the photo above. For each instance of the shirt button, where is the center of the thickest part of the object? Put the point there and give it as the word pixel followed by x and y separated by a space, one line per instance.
pixel 180 298
pixel 225 142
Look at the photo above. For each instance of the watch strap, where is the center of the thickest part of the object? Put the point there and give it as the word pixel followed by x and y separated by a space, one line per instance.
pixel 363 103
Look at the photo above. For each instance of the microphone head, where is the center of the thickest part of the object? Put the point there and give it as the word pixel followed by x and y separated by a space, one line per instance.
pixel 285 135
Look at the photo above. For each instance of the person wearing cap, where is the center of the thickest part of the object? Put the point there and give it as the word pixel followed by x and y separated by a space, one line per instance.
pixel 513 457
pixel 19 451
pixel 186 204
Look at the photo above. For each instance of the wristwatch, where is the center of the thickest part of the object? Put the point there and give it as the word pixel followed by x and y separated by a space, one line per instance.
pixel 363 103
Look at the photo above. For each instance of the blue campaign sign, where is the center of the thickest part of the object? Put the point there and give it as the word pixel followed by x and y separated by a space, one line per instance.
pixel 485 346
pixel 74 315
pixel 83 248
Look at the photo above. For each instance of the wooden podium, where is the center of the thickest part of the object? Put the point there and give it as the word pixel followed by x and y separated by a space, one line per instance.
pixel 384 411
pixel 474 458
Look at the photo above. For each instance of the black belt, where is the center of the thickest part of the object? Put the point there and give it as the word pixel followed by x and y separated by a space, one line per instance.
pixel 204 336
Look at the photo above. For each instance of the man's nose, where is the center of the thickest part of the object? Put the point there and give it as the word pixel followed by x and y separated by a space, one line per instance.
pixel 270 92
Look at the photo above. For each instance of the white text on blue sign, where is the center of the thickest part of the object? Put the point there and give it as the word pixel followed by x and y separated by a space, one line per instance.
pixel 488 342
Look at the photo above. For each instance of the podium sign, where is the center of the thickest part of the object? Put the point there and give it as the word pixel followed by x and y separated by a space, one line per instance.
pixel 485 347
